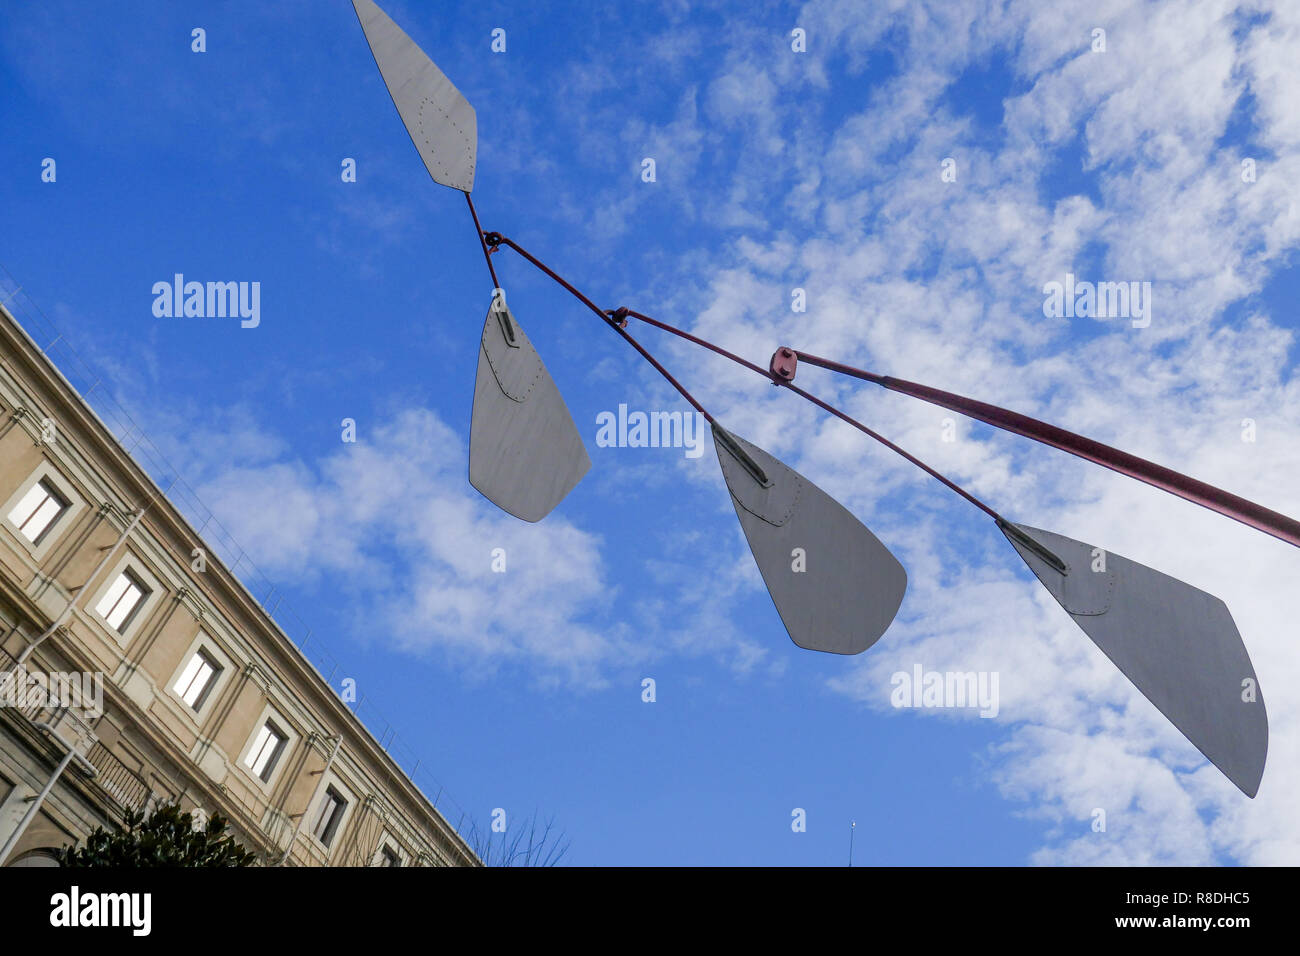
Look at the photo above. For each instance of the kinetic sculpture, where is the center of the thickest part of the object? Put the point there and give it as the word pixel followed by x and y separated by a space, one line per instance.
pixel 1176 643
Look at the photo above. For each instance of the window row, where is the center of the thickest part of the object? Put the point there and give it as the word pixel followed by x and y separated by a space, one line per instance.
pixel 265 752
pixel 45 504
pixel 36 511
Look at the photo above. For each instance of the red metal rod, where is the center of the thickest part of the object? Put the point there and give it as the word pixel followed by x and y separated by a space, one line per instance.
pixel 496 238
pixel 890 445
pixel 823 405
pixel 479 229
pixel 664 372
pixel 1158 476
pixel 702 342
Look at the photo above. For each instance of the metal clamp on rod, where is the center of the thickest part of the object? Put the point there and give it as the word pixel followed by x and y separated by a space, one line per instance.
pixel 1011 531
pixel 503 319
pixel 784 364
pixel 729 442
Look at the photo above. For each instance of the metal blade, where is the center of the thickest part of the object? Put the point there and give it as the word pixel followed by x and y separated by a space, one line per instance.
pixel 525 453
pixel 1176 643
pixel 850 586
pixel 440 121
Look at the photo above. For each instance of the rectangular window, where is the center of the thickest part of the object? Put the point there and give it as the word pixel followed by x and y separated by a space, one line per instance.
pixel 331 812
pixel 389 857
pixel 121 601
pixel 37 511
pixel 266 751
pixel 197 680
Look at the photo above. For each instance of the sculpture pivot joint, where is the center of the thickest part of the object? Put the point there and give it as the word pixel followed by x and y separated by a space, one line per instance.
pixel 784 364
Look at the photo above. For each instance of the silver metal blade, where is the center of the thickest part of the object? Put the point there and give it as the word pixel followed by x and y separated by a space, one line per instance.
pixel 525 453
pixel 836 587
pixel 440 121
pixel 1176 643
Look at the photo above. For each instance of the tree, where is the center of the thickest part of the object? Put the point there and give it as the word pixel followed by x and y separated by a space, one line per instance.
pixel 167 837
pixel 534 843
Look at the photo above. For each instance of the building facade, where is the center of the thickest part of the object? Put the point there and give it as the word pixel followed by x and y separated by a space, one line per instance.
pixel 140 670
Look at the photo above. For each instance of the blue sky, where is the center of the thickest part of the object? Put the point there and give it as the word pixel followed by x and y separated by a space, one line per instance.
pixel 775 170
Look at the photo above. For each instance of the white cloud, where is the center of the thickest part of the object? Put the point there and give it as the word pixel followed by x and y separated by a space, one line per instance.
pixel 392 519
pixel 1151 112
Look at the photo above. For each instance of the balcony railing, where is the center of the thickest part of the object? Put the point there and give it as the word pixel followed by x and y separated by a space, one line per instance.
pixel 118 780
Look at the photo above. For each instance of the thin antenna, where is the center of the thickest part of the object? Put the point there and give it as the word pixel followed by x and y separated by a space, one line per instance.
pixel 852 826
